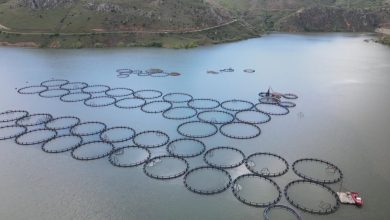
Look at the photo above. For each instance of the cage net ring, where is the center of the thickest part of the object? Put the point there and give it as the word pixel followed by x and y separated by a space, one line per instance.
pixel 156 106
pixel 117 134
pixel 75 97
pixel 252 164
pixel 30 137
pixel 34 119
pixel 272 109
pixel 83 129
pixel 240 190
pixel 179 113
pixel 54 82
pixel 197 133
pixel 227 159
pixel 147 94
pixel 237 105
pixel 12 115
pixel 330 170
pixel 289 96
pixel 268 210
pixel 218 180
pixel 62 143
pixel 162 137
pixel 186 147
pixel 177 97
pixel 130 103
pixel 255 130
pixel 99 101
pixel 157 164
pixel 74 86
pixel 92 89
pixel 54 93
pixel 119 92
pixel 11 131
pixel 29 90
pixel 92 150
pixel 313 206
pixel 122 157
pixel 215 117
pixel 62 123
pixel 205 104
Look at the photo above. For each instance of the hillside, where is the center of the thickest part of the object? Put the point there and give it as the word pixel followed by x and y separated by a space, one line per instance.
pixel 174 23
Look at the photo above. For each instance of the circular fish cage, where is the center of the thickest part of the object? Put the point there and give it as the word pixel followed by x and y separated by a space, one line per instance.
pixel 34 119
pixel 74 86
pixel 218 180
pixel 316 170
pixel 92 150
pixel 154 70
pixel 11 131
pixel 92 89
pixel 289 96
pixel 61 123
pixel 165 167
pixel 54 93
pixel 156 106
pixel 249 70
pixel 206 104
pixel 12 115
pixel 174 74
pixel 75 97
pixel 186 147
pixel 141 73
pixel 287 104
pixel 240 130
pixel 237 105
pixel 162 74
pixel 280 212
pixel 312 197
pixel 197 129
pixel 269 100
pixel 266 164
pixel 151 139
pixel 177 97
pixel 117 134
pixel 100 101
pixel 147 94
pixel 215 117
pixel 119 92
pixel 88 128
pixel 62 143
pixel 54 82
pixel 252 117
pixel 29 90
pixel 179 113
pixel 257 191
pixel 272 109
pixel 224 157
pixel 129 156
pixel 37 136
pixel 128 103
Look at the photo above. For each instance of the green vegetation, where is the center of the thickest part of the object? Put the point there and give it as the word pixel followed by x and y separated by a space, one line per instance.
pixel 176 24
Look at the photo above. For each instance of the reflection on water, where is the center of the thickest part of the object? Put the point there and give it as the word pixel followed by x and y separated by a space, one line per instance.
pixel 341 116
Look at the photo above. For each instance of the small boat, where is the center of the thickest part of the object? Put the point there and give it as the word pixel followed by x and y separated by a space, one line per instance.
pixel 350 198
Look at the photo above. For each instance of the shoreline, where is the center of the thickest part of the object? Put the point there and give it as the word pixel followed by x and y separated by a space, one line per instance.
pixel 382 38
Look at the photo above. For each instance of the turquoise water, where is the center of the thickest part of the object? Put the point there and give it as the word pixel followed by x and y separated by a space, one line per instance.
pixel 342 116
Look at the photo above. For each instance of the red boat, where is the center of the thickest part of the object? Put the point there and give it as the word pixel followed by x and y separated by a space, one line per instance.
pixel 350 198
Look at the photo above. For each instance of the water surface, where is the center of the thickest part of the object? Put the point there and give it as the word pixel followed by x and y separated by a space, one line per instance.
pixel 342 116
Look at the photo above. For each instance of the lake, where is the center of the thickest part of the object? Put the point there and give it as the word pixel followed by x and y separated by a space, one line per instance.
pixel 341 116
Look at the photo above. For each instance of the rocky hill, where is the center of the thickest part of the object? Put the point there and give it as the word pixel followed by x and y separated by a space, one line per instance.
pixel 177 23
